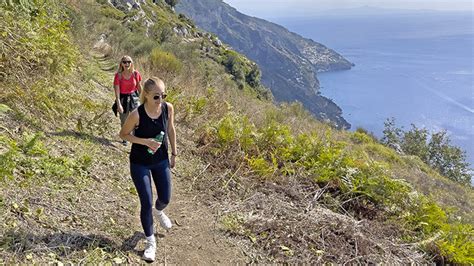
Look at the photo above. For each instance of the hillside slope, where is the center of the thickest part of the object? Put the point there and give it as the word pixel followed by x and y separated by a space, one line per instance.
pixel 288 61
pixel 79 204
pixel 254 182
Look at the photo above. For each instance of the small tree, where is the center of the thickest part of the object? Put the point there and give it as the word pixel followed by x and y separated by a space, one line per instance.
pixel 391 134
pixel 235 66
pixel 253 77
pixel 438 153
pixel 449 160
pixel 172 3
pixel 414 142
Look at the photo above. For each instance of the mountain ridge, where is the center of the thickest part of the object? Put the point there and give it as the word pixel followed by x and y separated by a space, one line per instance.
pixel 255 182
pixel 288 61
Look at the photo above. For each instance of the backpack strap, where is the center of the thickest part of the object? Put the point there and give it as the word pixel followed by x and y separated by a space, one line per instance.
pixel 164 113
pixel 136 79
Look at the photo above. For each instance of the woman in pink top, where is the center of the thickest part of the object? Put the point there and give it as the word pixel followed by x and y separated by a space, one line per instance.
pixel 127 88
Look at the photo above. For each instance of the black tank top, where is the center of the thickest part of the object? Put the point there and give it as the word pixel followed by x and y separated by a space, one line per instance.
pixel 149 128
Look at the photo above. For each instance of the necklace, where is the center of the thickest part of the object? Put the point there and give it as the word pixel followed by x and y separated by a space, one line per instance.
pixel 158 114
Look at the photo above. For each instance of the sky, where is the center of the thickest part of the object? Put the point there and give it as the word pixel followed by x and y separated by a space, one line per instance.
pixel 288 8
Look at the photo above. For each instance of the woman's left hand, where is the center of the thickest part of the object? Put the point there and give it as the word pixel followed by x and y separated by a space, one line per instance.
pixel 172 161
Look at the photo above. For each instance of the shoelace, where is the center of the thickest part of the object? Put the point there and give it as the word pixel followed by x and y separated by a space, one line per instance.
pixel 150 245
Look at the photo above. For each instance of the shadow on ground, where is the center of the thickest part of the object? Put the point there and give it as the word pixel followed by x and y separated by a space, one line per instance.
pixel 64 244
pixel 84 136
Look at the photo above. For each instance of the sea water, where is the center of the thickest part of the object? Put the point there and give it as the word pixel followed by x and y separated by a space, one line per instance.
pixel 416 67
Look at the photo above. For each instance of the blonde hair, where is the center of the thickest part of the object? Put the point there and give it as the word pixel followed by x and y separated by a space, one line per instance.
pixel 150 84
pixel 120 67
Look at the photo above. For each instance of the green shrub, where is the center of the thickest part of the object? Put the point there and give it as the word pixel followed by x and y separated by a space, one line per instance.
pixel 161 32
pixel 382 152
pixel 244 72
pixel 449 160
pixel 425 216
pixel 247 135
pixel 253 76
pixel 366 132
pixel 226 131
pixel 144 48
pixel 133 43
pixel 274 136
pixel 198 104
pixel 164 62
pixel 392 135
pixel 435 150
pixel 35 41
pixel 47 99
pixel 357 183
pixel 304 149
pixel 360 137
pixel 28 161
pixel 414 142
pixel 233 223
pixel 295 109
pixel 111 12
pixel 33 145
pixel 371 180
pixel 186 20
pixel 457 243
pixel 235 132
pixel 262 166
pixel 172 3
pixel 8 154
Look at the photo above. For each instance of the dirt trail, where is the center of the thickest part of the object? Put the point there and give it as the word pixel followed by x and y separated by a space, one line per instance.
pixel 194 237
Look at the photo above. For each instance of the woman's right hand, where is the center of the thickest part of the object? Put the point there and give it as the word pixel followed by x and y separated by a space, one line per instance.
pixel 153 144
pixel 120 108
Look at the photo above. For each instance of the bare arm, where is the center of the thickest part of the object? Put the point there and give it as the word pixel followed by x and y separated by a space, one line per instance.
pixel 129 126
pixel 117 98
pixel 139 87
pixel 172 134
pixel 117 94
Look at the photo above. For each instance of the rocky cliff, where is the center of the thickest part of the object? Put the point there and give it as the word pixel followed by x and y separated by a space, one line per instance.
pixel 288 61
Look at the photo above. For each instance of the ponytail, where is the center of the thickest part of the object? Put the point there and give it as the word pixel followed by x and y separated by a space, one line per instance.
pixel 149 86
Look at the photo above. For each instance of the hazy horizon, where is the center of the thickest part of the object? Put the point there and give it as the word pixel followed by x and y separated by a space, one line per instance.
pixel 285 8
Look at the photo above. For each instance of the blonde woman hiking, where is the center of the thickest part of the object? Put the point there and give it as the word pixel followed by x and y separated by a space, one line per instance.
pixel 127 89
pixel 152 124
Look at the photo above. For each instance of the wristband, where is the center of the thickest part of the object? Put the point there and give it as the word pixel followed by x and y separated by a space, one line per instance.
pixel 174 154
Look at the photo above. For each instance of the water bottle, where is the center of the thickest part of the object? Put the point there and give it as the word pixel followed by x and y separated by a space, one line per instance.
pixel 158 138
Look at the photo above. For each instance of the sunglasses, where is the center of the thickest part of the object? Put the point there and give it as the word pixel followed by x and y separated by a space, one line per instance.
pixel 162 96
pixel 127 62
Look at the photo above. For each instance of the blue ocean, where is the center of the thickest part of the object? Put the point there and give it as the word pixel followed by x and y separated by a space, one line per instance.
pixel 416 67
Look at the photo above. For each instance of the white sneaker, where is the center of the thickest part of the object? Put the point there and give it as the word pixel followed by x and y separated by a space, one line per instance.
pixel 150 251
pixel 165 222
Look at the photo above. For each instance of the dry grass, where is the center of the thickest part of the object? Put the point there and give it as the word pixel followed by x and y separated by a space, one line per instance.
pixel 86 218
pixel 286 221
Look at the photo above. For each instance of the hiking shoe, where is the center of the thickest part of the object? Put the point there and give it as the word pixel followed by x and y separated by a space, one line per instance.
pixel 165 222
pixel 150 250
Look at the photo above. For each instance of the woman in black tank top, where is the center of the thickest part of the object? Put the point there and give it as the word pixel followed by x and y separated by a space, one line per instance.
pixel 149 158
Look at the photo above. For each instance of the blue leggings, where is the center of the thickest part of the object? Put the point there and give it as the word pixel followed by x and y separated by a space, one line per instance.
pixel 141 178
